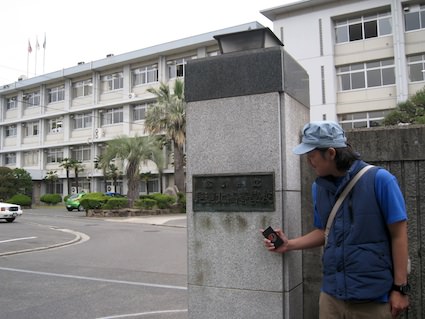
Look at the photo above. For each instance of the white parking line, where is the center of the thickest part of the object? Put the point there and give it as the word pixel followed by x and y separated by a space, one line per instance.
pixel 143 314
pixel 16 239
pixel 136 283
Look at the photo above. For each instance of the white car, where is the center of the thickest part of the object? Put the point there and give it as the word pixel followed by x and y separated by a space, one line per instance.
pixel 10 211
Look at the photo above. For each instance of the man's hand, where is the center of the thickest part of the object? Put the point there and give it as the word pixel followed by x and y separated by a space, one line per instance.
pixel 398 303
pixel 270 246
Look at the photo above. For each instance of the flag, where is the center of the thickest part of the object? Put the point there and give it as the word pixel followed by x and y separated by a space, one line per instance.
pixel 37 45
pixel 29 47
pixel 44 43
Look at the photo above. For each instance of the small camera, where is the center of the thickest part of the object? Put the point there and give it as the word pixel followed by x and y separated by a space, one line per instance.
pixel 271 235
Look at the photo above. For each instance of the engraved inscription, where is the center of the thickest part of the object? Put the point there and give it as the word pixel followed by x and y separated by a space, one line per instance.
pixel 233 193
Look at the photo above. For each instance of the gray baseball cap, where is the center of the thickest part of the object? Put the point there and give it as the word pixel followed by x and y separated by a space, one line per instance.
pixel 321 134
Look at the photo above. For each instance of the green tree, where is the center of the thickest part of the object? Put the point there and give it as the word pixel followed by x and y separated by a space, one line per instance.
pixel 168 117
pixel 7 183
pixel 412 111
pixel 133 151
pixel 50 178
pixel 23 181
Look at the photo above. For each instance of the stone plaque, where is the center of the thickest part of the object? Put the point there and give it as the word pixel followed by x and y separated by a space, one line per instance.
pixel 234 193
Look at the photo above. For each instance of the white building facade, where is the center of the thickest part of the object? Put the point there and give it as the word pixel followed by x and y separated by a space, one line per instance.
pixel 72 113
pixel 362 57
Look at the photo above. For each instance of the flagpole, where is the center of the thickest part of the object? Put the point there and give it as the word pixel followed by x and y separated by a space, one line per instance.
pixel 29 50
pixel 44 51
pixel 37 46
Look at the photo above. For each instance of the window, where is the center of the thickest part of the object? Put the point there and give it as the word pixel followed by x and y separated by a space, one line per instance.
pixel 82 88
pixel 10 159
pixel 31 129
pixel 112 82
pixel 139 111
pixel 364 27
pixel 81 153
pixel 362 119
pixel 366 75
pixel 56 94
pixel 143 75
pixel 82 120
pixel 416 67
pixel 152 186
pixel 55 125
pixel 112 116
pixel 31 99
pixel 31 158
pixel 12 103
pixel 176 68
pixel 54 187
pixel 414 17
pixel 54 155
pixel 10 130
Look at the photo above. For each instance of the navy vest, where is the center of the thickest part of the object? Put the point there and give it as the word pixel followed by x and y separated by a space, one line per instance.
pixel 357 261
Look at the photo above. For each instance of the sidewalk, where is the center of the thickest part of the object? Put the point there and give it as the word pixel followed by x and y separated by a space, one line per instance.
pixel 162 220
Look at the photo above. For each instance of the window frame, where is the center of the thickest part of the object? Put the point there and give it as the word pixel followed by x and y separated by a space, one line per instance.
pixel 360 27
pixel 82 121
pixel 356 76
pixel 418 63
pixel 112 82
pixel 10 158
pixel 11 103
pixel 83 86
pixel 32 99
pixel 144 75
pixel 56 94
pixel 54 155
pixel 112 116
pixel 11 130
pixel 81 153
pixel 55 125
pixel 31 129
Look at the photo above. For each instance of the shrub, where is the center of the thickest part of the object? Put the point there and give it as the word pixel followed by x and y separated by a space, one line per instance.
pixel 93 200
pixel 51 198
pixel 116 203
pixel 163 200
pixel 181 201
pixel 20 199
pixel 145 203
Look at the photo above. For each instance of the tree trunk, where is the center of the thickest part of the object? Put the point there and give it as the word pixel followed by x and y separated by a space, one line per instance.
pixel 179 175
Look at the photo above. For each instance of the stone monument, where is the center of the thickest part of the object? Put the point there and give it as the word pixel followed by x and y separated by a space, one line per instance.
pixel 245 110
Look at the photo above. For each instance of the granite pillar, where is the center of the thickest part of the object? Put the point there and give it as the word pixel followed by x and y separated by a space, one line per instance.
pixel 244 115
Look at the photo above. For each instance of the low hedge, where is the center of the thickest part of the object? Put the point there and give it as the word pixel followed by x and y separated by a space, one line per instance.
pixel 20 199
pixel 51 199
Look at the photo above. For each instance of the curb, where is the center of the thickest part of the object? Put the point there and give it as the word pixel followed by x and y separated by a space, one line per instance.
pixel 79 238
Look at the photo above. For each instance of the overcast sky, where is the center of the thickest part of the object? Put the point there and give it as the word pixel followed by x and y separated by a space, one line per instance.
pixel 88 30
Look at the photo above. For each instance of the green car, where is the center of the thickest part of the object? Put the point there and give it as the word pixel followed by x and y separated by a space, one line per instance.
pixel 73 202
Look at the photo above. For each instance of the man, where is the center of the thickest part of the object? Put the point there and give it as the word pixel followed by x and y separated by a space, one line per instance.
pixel 366 253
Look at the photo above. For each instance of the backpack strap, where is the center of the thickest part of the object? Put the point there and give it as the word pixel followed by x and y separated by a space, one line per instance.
pixel 341 198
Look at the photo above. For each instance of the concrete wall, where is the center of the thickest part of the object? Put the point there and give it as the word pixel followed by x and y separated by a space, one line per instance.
pixel 401 150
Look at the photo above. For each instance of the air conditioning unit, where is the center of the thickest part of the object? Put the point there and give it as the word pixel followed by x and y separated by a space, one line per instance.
pixel 73 190
pixel 98 133
pixel 132 95
pixel 109 188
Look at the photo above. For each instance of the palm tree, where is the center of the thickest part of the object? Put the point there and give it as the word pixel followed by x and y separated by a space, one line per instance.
pixel 114 173
pixel 168 117
pixel 78 167
pixel 99 164
pixel 68 164
pixel 133 151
